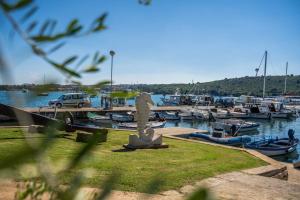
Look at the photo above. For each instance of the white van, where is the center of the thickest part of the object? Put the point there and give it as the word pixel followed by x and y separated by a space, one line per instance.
pixel 71 99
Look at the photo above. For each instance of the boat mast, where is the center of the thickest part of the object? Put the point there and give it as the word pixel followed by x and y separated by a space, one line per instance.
pixel 265 71
pixel 286 69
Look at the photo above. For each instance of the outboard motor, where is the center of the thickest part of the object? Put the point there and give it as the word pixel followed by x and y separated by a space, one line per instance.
pixel 157 116
pixel 233 129
pixel 291 134
pixel 211 117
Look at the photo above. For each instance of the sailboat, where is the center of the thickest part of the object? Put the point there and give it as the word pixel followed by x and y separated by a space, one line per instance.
pixel 267 109
pixel 43 93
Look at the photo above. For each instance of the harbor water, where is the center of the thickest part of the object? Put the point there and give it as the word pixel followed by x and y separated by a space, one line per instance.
pixel 273 128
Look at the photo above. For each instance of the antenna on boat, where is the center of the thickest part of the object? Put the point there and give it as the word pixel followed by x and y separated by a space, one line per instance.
pixel 265 71
pixel 286 70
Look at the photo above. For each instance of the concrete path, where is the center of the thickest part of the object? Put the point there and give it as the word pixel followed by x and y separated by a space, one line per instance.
pixel 238 185
pixel 235 186
pixel 294 174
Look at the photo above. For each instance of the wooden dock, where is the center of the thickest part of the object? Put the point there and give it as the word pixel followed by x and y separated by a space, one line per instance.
pixel 102 110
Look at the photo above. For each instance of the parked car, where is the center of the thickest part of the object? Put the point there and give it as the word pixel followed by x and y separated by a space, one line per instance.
pixel 71 99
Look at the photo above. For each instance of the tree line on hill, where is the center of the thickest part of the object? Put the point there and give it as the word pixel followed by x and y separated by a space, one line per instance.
pixel 234 86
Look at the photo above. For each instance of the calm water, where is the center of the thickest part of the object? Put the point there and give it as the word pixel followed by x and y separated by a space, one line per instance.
pixel 277 127
pixel 273 128
pixel 32 100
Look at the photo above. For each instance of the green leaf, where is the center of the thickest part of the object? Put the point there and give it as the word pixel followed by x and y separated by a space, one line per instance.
pixel 69 60
pixel 98 24
pixel 72 190
pixel 44 38
pixel 101 84
pixel 52 26
pixel 56 47
pixel 76 82
pixel 145 2
pixel 123 94
pixel 63 69
pixel 201 194
pixel 84 151
pixel 82 60
pixel 101 59
pixel 154 186
pixel 31 26
pixel 29 14
pixel 23 155
pixel 108 186
pixel 37 50
pixel 44 27
pixel 72 25
pixel 18 5
pixel 95 58
pixel 90 69
pixel 89 90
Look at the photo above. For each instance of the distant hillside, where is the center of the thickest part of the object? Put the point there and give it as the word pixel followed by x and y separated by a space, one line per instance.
pixel 234 86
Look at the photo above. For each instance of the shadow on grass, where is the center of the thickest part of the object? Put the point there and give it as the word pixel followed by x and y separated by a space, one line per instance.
pixel 34 135
pixel 123 150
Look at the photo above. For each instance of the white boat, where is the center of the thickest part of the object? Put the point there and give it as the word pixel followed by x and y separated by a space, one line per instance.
pixel 169 115
pixel 187 116
pixel 277 109
pixel 122 117
pixel 235 126
pixel 221 114
pixel 99 119
pixel 275 147
pixel 221 138
pixel 254 111
pixel 133 125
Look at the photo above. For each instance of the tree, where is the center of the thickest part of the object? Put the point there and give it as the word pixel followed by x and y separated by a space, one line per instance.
pixel 71 68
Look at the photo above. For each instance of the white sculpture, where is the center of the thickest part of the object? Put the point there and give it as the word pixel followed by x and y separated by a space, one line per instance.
pixel 147 138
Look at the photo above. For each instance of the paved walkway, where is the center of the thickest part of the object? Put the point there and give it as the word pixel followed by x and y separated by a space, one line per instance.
pixel 294 174
pixel 235 186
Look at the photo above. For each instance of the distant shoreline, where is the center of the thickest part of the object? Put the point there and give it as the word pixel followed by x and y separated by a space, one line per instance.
pixel 226 87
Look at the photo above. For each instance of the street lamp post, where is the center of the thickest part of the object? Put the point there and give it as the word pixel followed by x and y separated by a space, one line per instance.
pixel 112 53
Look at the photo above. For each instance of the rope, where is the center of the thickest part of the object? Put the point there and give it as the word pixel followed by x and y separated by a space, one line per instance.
pixel 260 63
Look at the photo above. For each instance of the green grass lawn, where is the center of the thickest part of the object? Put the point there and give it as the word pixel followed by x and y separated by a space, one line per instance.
pixel 180 164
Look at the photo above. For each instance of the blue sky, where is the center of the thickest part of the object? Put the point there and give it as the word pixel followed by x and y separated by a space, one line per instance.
pixel 171 41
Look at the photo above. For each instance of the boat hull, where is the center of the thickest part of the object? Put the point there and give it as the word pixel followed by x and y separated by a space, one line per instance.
pixel 232 141
pixel 133 126
pixel 281 115
pixel 122 118
pixel 274 147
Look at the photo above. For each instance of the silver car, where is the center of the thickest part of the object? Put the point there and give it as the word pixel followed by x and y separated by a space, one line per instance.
pixel 71 99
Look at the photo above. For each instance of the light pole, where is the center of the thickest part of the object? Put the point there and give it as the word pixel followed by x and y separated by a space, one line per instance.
pixel 112 53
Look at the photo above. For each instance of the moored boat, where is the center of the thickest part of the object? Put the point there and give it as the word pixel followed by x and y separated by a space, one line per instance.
pixel 169 115
pixel 234 126
pixel 187 116
pixel 99 119
pixel 275 147
pixel 226 140
pixel 122 117
pixel 133 125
